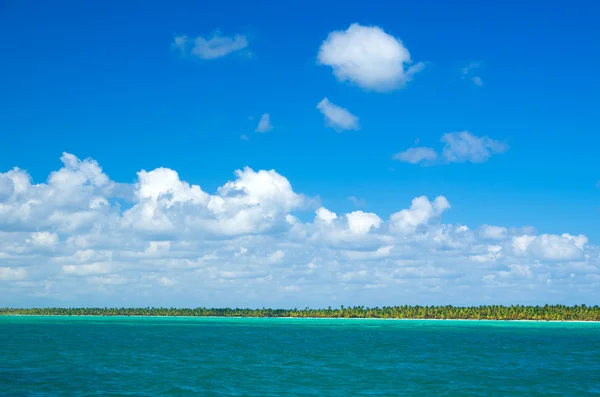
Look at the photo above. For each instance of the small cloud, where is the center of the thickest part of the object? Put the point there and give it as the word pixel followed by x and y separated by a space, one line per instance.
pixel 324 215
pixel 459 147
pixel 244 137
pixel 337 117
pixel 357 202
pixel 467 69
pixel 264 125
pixel 417 155
pixel 467 72
pixel 213 47
pixel 463 146
pixel 44 240
pixel 180 43
pixel 368 57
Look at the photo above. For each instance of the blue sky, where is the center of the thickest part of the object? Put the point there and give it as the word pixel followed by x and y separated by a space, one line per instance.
pixel 104 81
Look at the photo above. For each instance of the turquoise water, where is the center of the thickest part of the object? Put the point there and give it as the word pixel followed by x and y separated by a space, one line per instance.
pixel 108 356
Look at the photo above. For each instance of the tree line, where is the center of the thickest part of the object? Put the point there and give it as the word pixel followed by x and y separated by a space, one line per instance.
pixel 492 312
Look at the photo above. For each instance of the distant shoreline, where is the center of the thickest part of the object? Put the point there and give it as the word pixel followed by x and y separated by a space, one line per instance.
pixel 546 313
pixel 303 318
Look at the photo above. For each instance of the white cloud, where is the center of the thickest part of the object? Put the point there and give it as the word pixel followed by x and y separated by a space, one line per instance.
pixel 264 125
pixel 68 241
pixel 337 117
pixel 10 274
pixel 459 147
pixel 420 213
pixel 7 187
pixel 493 232
pixel 211 47
pixel 74 198
pixel 492 254
pixel 85 270
pixel 369 57
pixel 521 243
pixel 463 146
pixel 467 71
pixel 360 222
pixel 180 43
pixel 324 215
pixel 44 239
pixel 550 246
pixel 254 202
pixel 417 155
pixel 516 271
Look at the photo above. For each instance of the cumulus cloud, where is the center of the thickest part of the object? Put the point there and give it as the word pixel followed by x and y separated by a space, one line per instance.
pixel 6 187
pixel 264 125
pixel 550 247
pixel 337 117
pixel 324 215
pixel 210 47
pixel 459 147
pixel 421 211
pixel 368 57
pixel 254 202
pixel 360 222
pixel 253 242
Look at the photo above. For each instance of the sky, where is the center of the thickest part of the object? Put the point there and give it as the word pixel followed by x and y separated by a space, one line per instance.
pixel 288 155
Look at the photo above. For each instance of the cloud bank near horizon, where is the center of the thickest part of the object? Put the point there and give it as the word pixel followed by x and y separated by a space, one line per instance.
pixel 81 238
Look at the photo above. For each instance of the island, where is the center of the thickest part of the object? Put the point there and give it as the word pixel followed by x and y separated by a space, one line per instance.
pixel 490 312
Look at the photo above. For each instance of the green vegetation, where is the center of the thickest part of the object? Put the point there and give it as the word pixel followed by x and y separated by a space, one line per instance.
pixel 542 313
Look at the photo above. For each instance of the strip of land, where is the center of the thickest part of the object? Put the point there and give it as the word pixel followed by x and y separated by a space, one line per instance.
pixel 517 312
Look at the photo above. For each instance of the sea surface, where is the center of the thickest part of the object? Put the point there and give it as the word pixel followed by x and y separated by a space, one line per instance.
pixel 137 356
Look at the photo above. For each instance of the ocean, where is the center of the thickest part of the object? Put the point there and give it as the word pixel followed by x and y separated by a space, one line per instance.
pixel 147 356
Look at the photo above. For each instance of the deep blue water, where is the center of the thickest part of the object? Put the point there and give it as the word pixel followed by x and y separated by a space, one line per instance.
pixel 119 356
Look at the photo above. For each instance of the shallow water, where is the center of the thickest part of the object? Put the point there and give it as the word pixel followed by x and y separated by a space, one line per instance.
pixel 125 356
